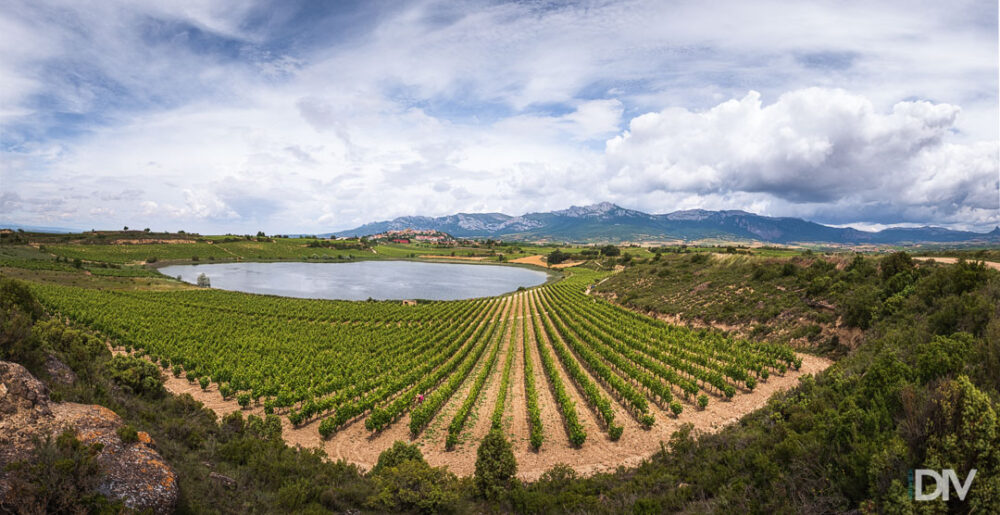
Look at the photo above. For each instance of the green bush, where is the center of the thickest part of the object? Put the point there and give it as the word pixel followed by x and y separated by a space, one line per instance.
pixel 243 399
pixel 557 256
pixel 943 356
pixel 702 401
pixel 203 382
pixel 128 434
pixel 397 454
pixel 135 374
pixel 495 466
pixel 413 485
pixel 60 476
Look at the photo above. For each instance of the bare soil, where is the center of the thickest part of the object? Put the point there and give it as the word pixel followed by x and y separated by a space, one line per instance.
pixel 539 260
pixel 952 261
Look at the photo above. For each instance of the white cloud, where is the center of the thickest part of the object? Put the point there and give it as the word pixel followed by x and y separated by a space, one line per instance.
pixel 216 121
pixel 812 146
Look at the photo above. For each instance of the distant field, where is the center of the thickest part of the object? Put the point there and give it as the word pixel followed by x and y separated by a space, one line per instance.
pixel 246 250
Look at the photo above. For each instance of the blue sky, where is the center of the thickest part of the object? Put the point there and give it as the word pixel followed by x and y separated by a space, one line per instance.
pixel 235 116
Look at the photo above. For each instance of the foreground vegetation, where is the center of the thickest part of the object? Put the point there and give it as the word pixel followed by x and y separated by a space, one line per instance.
pixel 920 390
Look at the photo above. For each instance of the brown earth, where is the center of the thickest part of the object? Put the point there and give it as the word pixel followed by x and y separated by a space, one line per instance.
pixel 357 445
pixel 952 261
pixel 539 260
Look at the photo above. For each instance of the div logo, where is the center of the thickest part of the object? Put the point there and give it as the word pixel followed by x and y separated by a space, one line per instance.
pixel 921 479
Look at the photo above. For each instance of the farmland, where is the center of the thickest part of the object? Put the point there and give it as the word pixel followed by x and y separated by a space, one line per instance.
pixel 565 374
pixel 583 370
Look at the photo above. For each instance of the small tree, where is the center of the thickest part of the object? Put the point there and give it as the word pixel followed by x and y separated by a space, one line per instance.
pixel 495 465
pixel 557 256
pixel 204 281
pixel 398 453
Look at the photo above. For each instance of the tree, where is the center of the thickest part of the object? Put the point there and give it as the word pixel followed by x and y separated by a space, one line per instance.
pixel 495 465
pixel 203 281
pixel 397 454
pixel 557 256
pixel 610 250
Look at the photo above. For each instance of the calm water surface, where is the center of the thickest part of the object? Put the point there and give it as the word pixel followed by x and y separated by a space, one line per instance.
pixel 381 280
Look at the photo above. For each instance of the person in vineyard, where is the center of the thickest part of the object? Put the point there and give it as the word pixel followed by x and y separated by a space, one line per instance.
pixel 420 398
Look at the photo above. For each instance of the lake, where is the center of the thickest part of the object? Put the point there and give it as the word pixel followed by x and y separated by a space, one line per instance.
pixel 380 280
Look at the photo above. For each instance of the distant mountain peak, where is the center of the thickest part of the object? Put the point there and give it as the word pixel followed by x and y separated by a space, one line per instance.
pixel 607 222
pixel 599 210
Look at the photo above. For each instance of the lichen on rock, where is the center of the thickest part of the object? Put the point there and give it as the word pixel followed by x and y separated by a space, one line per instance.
pixel 133 473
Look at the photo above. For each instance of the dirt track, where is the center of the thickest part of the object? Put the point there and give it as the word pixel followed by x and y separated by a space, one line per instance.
pixel 952 261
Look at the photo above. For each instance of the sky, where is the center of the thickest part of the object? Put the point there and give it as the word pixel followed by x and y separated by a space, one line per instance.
pixel 236 116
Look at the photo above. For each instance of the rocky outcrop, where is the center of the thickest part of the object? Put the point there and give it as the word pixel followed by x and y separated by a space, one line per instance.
pixel 59 372
pixel 133 473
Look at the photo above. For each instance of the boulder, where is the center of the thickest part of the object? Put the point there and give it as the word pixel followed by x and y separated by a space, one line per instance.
pixel 133 473
pixel 59 372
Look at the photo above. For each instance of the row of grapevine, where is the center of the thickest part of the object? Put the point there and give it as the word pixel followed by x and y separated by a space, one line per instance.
pixel 574 429
pixel 458 421
pixel 530 393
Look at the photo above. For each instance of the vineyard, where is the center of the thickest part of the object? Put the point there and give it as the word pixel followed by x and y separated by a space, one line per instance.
pixel 559 370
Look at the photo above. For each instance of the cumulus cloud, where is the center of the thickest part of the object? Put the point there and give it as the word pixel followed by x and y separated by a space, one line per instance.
pixel 811 147
pixel 224 115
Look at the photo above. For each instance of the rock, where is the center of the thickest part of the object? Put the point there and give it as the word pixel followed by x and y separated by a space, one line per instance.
pixel 59 372
pixel 133 473
pixel 225 481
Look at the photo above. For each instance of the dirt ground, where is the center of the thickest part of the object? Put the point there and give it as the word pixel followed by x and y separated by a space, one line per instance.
pixel 539 260
pixel 357 445
pixel 951 261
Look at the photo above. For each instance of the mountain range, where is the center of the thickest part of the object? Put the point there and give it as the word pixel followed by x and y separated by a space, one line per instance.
pixel 607 222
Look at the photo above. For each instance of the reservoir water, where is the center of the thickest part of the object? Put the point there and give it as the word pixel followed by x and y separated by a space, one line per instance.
pixel 380 280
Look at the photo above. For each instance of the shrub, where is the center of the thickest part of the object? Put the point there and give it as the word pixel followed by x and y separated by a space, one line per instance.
pixel 943 356
pixel 495 466
pixel 203 382
pixel 177 370
pixel 676 408
pixel 243 399
pixel 702 401
pixel 557 256
pixel 128 434
pixel 135 374
pixel 60 476
pixel 296 493
pixel 398 453
pixel 225 390
pixel 413 485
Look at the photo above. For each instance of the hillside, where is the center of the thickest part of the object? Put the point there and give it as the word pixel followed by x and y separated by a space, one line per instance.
pixel 606 222
pixel 917 390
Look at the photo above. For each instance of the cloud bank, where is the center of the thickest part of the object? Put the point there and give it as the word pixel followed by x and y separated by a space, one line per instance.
pixel 222 116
